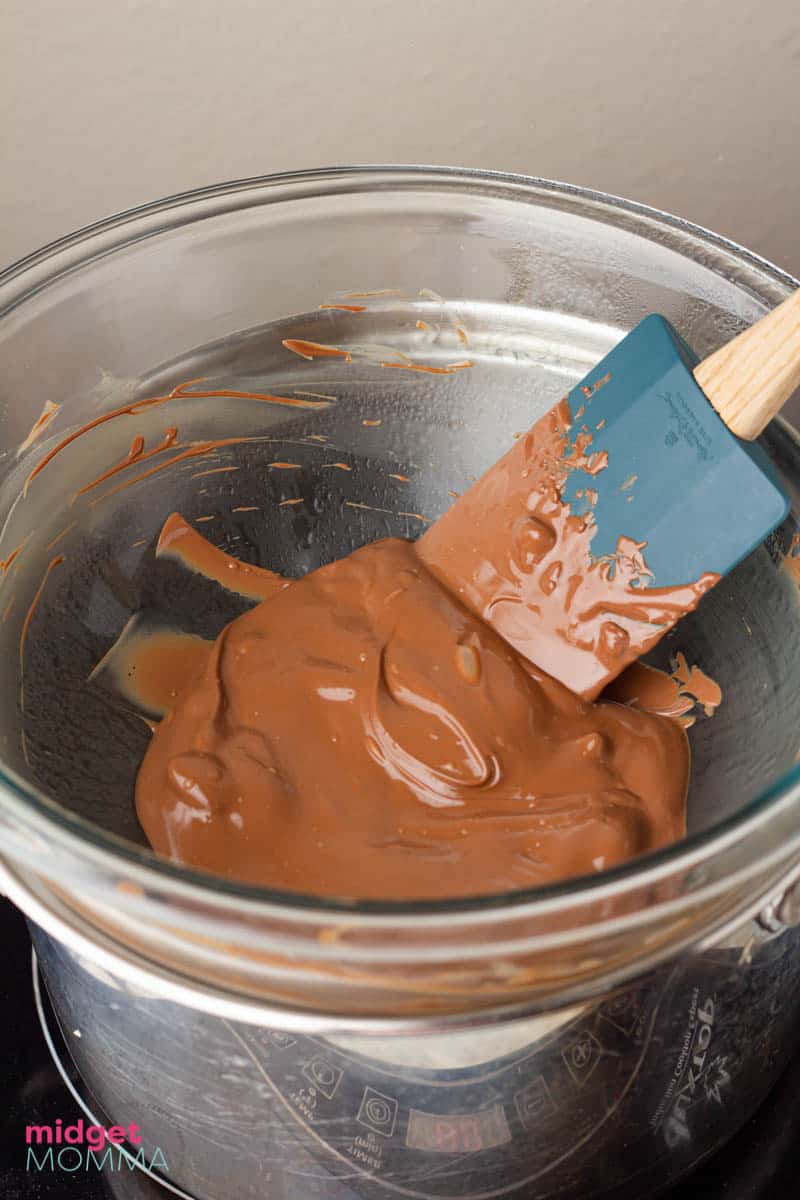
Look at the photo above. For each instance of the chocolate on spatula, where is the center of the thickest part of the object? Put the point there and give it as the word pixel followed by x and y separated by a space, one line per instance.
pixel 615 513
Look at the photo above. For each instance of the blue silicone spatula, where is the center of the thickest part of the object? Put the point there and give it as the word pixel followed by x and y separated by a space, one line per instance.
pixel 666 460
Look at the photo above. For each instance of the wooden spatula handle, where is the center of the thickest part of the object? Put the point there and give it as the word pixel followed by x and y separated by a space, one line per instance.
pixel 752 377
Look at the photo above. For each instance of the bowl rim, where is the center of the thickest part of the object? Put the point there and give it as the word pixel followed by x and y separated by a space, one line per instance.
pixel 39 813
pixel 411 171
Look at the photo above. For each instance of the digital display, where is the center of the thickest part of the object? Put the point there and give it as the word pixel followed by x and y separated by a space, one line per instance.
pixel 458 1134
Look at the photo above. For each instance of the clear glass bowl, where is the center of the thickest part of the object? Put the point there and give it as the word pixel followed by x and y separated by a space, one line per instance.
pixel 532 282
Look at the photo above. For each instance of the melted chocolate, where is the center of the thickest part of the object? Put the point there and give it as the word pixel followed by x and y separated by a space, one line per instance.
pixel 677 695
pixel 391 726
pixel 362 733
pixel 178 540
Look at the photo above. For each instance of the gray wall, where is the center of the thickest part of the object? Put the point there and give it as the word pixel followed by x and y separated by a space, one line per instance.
pixel 691 105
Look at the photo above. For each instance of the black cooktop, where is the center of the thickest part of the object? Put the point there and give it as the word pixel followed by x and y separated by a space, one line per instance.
pixel 761 1162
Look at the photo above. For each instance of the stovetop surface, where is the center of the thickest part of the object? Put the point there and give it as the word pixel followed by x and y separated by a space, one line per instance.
pixel 763 1161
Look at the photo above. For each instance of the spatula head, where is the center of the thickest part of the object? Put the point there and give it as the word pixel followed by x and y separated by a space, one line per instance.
pixel 610 518
pixel 676 478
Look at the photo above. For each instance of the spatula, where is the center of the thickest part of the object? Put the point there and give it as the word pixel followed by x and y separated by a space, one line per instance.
pixel 620 508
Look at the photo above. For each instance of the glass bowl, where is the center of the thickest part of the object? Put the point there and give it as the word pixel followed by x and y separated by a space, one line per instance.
pixel 175 317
